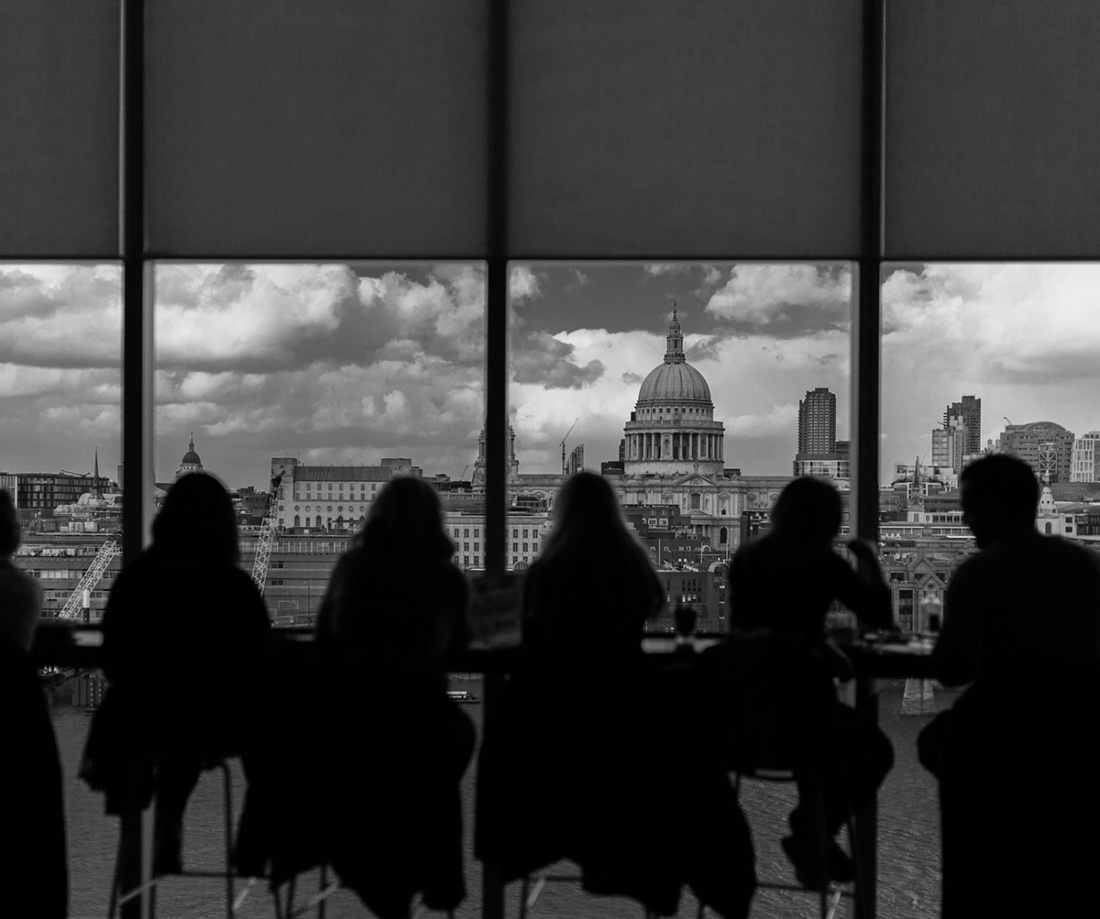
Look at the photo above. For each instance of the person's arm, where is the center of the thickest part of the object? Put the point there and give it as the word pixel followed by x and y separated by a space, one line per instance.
pixel 460 631
pixel 957 655
pixel 864 591
pixel 120 645
pixel 738 598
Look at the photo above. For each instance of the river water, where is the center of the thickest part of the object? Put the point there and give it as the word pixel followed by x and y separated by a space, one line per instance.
pixel 909 859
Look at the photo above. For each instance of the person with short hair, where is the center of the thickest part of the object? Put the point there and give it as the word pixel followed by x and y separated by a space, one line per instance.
pixel 782 585
pixel 1014 756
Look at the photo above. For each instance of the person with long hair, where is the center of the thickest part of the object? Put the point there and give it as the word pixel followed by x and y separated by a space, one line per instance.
pixel 593 587
pixel 393 747
pixel 396 594
pixel 32 825
pixel 589 725
pixel 183 648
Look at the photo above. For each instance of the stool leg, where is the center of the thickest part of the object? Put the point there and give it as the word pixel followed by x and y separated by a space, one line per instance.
pixel 523 896
pixel 116 880
pixel 227 784
pixel 822 831
pixel 863 908
pixel 324 886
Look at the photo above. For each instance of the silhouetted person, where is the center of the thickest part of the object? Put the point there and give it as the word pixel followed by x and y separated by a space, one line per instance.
pixel 33 871
pixel 386 748
pixel 781 588
pixel 183 644
pixel 589 727
pixel 1015 755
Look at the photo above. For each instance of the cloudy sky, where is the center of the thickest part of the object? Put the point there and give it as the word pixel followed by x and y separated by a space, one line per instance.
pixel 351 363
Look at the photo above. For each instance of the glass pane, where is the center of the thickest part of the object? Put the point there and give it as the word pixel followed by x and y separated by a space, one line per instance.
pixel 60 454
pixel 992 129
pixel 59 83
pixel 687 128
pixel 687 385
pixel 975 358
pixel 317 129
pixel 335 377
pixel 60 426
pixel 983 358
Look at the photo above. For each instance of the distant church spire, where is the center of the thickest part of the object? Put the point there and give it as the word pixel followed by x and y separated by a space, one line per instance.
pixel 96 490
pixel 674 342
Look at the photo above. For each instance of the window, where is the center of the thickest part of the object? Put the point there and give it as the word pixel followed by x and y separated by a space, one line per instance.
pixel 723 183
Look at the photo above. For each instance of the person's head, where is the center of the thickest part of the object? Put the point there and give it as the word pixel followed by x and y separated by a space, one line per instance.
pixel 197 520
pixel 586 501
pixel 586 510
pixel 808 510
pixel 9 525
pixel 407 516
pixel 999 496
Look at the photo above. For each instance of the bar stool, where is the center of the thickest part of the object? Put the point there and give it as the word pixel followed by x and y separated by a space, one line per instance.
pixel 232 903
pixel 830 893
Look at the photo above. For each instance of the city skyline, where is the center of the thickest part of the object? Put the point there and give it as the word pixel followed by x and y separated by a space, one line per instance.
pixel 348 364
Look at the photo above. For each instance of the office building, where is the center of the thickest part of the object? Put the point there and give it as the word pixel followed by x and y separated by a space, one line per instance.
pixel 1085 464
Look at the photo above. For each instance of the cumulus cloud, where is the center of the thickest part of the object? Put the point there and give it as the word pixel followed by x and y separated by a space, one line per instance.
pixel 1024 338
pixel 784 300
pixel 523 284
pixel 339 359
pixel 61 315
pixel 541 358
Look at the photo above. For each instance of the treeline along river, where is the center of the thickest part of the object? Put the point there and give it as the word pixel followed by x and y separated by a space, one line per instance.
pixel 909 859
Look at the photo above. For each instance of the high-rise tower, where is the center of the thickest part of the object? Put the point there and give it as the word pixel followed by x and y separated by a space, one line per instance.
pixel 968 414
pixel 817 422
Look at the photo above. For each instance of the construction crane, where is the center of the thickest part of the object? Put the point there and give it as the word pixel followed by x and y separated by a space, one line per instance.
pixel 564 470
pixel 267 536
pixel 103 558
pixel 1006 420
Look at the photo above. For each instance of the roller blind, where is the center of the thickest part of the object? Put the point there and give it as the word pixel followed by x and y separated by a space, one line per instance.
pixel 714 126
pixel 992 128
pixel 321 128
pixel 59 61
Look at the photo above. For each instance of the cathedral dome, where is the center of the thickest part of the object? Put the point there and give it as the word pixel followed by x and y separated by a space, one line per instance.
pixel 190 461
pixel 674 380
pixel 191 458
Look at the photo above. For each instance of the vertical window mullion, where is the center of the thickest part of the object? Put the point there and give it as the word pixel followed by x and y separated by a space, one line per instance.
pixel 496 388
pixel 866 329
pixel 137 289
